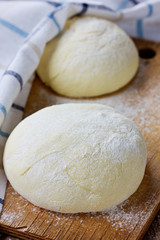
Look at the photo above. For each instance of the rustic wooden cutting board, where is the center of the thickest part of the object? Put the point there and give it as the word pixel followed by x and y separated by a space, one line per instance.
pixel 140 101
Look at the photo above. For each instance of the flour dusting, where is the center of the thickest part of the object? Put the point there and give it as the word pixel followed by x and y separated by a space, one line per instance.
pixel 140 102
pixel 121 218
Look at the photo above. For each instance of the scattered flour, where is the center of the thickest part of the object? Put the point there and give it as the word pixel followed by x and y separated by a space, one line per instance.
pixel 121 218
pixel 138 101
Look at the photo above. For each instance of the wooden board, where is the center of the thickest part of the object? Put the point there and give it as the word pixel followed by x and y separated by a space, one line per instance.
pixel 140 101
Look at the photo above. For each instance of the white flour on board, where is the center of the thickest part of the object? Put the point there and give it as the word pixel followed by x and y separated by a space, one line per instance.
pixel 121 218
pixel 144 110
pixel 131 102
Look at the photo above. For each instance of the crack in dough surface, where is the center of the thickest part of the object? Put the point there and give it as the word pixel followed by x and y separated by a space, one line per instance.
pixel 87 158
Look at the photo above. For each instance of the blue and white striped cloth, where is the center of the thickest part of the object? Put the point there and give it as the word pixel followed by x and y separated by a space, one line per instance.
pixel 26 27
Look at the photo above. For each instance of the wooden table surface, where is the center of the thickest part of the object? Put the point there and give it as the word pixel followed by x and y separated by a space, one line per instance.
pixel 153 232
pixel 146 80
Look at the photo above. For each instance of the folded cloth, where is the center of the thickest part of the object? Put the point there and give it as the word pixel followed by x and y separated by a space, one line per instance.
pixel 26 27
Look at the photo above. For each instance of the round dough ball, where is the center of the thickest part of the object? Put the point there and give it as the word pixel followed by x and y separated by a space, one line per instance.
pixel 90 57
pixel 75 158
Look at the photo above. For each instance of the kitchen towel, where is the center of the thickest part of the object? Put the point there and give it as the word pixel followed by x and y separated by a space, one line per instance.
pixel 26 27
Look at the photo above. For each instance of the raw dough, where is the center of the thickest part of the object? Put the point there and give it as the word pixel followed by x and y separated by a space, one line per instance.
pixel 90 57
pixel 75 158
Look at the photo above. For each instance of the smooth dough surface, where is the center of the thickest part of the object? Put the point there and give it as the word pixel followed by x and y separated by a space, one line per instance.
pixel 75 158
pixel 90 57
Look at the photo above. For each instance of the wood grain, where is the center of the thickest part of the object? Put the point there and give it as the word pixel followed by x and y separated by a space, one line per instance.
pixel 139 100
pixel 153 232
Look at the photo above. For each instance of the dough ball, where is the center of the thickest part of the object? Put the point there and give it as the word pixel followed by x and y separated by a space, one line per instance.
pixel 75 158
pixel 90 57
